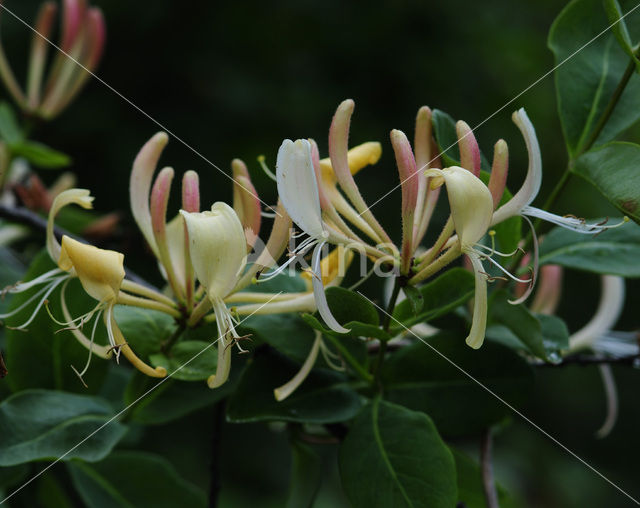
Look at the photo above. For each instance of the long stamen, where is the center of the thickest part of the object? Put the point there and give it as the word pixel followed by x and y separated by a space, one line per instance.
pixel 26 304
pixel 41 279
pixel 50 290
pixel 86 366
pixel 572 223
pixel 502 269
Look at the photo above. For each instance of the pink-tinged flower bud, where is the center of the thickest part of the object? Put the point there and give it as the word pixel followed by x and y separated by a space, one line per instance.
pixel 549 290
pixel 469 150
pixel 191 192
pixel 97 31
pixel 338 152
pixel 73 14
pixel 325 204
pixel 499 169
pixel 409 184
pixel 246 202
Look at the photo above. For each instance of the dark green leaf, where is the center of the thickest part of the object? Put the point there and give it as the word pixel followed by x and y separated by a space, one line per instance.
pixel 619 28
pixel 555 335
pixel 132 479
pixel 44 344
pixel 145 330
pixel 347 306
pixel 43 424
pixel 306 475
pixel 442 295
pixel 323 397
pixel 520 321
pixel 613 170
pixel 191 360
pixel 40 155
pixel 50 493
pixel 593 68
pixel 356 329
pixel 171 399
pixel 415 298
pixel 393 456
pixel 615 251
pixel 10 131
pixel 421 379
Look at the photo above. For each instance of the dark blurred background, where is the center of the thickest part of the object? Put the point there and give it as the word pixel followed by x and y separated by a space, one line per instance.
pixel 233 79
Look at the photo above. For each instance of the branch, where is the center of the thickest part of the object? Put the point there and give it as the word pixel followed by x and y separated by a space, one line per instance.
pixel 38 223
pixel 488 483
pixel 584 359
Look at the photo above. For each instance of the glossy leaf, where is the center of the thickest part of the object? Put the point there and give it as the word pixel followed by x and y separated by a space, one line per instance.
pixel 393 456
pixel 613 170
pixel 519 321
pixel 415 298
pixel 129 479
pixel 615 251
pixel 191 360
pixel 419 378
pixel 586 80
pixel 144 329
pixel 40 155
pixel 441 295
pixel 323 397
pixel 10 131
pixel 43 424
pixel 619 28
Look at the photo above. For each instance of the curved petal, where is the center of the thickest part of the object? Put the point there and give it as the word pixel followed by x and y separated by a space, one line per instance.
pixel 81 197
pixel 318 293
pixel 140 184
pixel 298 188
pixel 479 320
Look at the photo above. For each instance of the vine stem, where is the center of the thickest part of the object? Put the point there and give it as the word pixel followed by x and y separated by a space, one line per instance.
pixel 488 482
pixel 386 322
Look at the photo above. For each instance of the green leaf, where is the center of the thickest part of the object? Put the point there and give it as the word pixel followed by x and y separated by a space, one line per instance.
pixel 415 298
pixel 520 321
pixel 444 131
pixel 131 479
pixel 323 397
pixel 419 378
pixel 619 28
pixel 356 329
pixel 45 345
pixel 201 356
pixel 43 424
pixel 393 456
pixel 10 131
pixel 440 296
pixel 306 475
pixel 555 335
pixel 613 170
pixel 40 155
pixel 145 330
pixel 589 69
pixel 171 400
pixel 615 251
pixel 347 306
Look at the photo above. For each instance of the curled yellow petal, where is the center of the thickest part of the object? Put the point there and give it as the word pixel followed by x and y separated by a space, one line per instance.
pixel 80 197
pixel 100 271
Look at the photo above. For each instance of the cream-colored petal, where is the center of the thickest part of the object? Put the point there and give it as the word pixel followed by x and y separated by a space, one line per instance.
pixel 479 320
pixel 298 188
pixel 175 232
pixel 217 247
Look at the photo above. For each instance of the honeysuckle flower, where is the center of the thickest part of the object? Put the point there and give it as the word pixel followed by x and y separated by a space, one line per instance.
pixel 101 274
pixel 82 39
pixel 471 206
pixel 218 254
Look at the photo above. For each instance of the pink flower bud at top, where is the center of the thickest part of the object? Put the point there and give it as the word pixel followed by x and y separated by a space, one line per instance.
pixel 191 192
pixel 469 150
pixel 409 184
pixel 73 14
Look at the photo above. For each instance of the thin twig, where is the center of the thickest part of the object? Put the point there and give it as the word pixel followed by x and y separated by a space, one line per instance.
pixel 583 359
pixel 488 482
